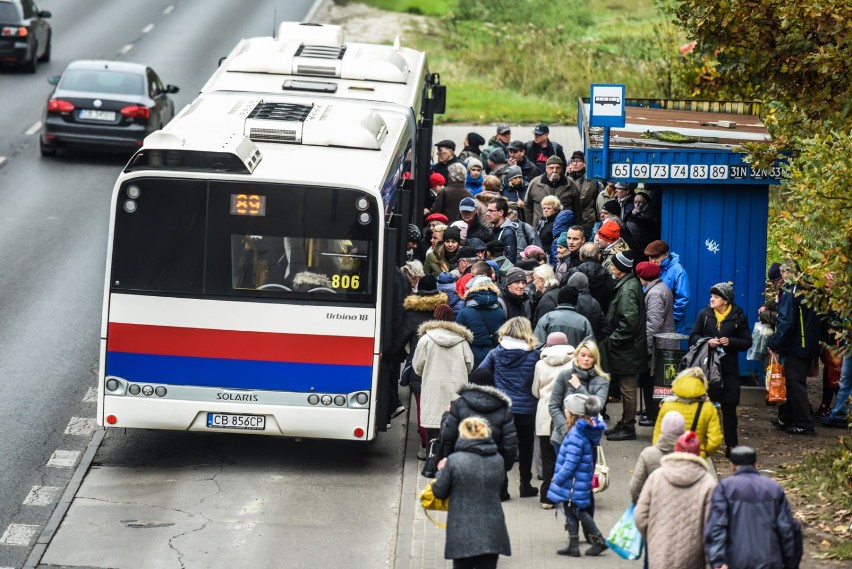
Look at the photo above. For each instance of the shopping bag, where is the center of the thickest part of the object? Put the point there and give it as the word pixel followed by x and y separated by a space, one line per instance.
pixel 776 384
pixel 833 363
pixel 759 340
pixel 600 479
pixel 429 502
pixel 624 538
pixel 430 467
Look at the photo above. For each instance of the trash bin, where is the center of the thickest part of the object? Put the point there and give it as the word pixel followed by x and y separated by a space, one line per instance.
pixel 668 351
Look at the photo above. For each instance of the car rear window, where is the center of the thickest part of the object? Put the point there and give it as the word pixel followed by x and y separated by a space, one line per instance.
pixel 109 82
pixel 9 13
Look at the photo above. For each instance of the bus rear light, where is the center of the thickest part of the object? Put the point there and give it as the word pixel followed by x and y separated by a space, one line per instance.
pixel 362 398
pixel 112 385
pixel 134 389
pixel 160 391
pixel 313 399
pixel 358 432
pixel 111 419
pixel 340 400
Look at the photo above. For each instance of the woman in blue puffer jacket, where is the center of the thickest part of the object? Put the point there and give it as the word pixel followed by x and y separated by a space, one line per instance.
pixel 572 479
pixel 481 315
pixel 513 364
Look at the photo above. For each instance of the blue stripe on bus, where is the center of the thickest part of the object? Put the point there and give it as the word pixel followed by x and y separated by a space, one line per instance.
pixel 239 374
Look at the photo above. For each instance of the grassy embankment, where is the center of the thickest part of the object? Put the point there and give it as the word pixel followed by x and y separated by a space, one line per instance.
pixel 527 61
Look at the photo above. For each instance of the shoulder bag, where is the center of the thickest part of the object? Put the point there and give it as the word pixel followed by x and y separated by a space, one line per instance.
pixel 600 479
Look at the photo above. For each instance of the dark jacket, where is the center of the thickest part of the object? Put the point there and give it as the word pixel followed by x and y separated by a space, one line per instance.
pixel 513 375
pixel 476 229
pixel 507 234
pixel 483 317
pixel 601 284
pixel 492 405
pixel 444 169
pixel 750 525
pixel 548 301
pixel 544 228
pixel 798 329
pixel 575 468
pixel 734 327
pixel 447 285
pixel 472 479
pixel 515 306
pixel 417 309
pixel 447 202
pixel 624 350
pixel 538 155
pixel 591 309
pixel 564 220
pixel 590 384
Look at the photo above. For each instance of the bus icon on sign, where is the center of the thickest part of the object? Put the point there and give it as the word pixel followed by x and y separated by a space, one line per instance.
pixel 607 100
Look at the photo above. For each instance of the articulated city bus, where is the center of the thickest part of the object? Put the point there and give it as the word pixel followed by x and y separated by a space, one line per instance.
pixel 252 247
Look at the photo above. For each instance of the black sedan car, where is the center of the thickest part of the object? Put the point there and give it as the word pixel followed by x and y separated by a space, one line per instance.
pixel 105 105
pixel 25 34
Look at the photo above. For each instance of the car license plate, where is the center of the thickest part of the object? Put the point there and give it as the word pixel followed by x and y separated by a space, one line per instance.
pixel 231 421
pixel 92 115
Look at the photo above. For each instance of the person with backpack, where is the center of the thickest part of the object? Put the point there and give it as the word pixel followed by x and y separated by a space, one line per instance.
pixel 726 326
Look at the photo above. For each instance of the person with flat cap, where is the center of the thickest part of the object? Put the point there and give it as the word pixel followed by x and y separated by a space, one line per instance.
pixel 445 154
pixel 750 522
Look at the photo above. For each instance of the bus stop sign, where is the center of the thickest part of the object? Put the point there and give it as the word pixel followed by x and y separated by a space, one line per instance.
pixel 607 106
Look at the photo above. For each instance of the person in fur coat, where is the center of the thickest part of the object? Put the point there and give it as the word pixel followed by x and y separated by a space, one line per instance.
pixel 673 507
pixel 649 459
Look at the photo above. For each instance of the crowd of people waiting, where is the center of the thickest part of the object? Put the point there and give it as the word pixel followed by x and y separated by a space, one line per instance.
pixel 530 300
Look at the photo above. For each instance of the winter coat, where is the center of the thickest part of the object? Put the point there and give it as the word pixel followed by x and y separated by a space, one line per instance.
pixel 607 254
pixel 554 360
pixel 544 228
pixel 538 155
pixel 798 329
pixel 507 234
pixel 417 309
pixel 589 190
pixel 512 193
pixel 590 384
pixel 471 480
pixel 528 168
pixel 564 319
pixel 648 462
pixel 687 392
pixel 515 305
pixel 672 510
pixel 444 168
pixel 589 307
pixel 751 524
pixel 447 201
pixel 675 277
pixel 575 468
pixel 444 360
pixel 548 302
pixel 601 284
pixel 540 187
pixel 447 285
pixel 492 405
pixel 431 266
pixel 643 227
pixel 659 317
pixel 483 317
pixel 624 350
pixel 735 328
pixel 564 220
pixel 513 375
pixel 476 229
pixel 527 236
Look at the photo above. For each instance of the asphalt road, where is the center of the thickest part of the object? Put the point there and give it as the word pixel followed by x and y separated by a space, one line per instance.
pixel 53 229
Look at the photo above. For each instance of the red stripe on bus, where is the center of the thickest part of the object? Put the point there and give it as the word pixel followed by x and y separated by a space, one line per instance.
pixel 239 345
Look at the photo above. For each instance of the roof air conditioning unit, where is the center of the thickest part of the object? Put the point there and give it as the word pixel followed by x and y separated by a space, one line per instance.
pixel 314 34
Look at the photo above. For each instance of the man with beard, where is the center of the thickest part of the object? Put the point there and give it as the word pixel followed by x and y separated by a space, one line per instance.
pixel 589 190
pixel 552 183
pixel 540 148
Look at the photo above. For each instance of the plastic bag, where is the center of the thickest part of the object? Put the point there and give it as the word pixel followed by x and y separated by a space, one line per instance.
pixel 624 538
pixel 760 335
pixel 776 383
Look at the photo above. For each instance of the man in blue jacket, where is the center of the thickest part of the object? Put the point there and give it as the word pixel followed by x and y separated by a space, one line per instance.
pixel 674 275
pixel 796 340
pixel 750 522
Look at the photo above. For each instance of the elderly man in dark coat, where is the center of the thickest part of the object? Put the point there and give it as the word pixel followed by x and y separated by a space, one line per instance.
pixel 624 351
pixel 659 309
pixel 565 319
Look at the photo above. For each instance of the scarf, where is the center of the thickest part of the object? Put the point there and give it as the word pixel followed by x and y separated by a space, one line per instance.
pixel 721 317
pixel 474 185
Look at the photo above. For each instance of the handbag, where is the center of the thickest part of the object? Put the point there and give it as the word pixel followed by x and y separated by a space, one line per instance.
pixel 430 467
pixel 624 538
pixel 776 383
pixel 600 479
pixel 429 502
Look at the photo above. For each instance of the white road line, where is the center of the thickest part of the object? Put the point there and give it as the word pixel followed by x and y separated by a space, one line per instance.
pixel 147 28
pixel 168 10
pixel 19 534
pixel 125 49
pixel 63 459
pixel 33 129
pixel 81 426
pixel 42 495
pixel 91 397
pixel 2 159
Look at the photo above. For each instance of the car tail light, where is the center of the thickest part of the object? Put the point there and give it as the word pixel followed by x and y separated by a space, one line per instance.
pixel 14 31
pixel 136 112
pixel 59 106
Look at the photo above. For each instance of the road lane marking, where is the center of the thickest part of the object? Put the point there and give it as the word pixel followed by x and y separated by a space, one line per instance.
pixel 33 129
pixel 19 534
pixel 147 28
pixel 168 10
pixel 2 160
pixel 63 459
pixel 125 49
pixel 81 426
pixel 42 495
pixel 90 397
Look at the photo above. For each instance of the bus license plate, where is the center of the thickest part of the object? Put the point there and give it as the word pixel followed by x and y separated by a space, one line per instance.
pixel 230 421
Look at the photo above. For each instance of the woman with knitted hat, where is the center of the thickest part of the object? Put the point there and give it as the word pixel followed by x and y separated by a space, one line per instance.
pixel 727 327
pixel 689 398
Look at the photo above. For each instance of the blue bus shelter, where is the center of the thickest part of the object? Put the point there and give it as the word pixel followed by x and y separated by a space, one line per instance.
pixel 713 205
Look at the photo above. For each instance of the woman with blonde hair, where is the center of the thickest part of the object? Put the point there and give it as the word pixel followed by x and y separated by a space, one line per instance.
pixel 689 398
pixel 436 260
pixel 471 478
pixel 550 208
pixel 513 364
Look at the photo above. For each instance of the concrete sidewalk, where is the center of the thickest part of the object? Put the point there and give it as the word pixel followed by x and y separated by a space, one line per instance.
pixel 535 534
